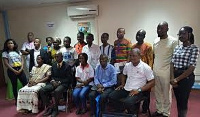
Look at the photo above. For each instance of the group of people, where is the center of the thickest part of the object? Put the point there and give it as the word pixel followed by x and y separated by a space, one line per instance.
pixel 117 76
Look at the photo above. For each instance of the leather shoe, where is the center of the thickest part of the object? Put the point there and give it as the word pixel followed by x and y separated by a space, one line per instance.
pixel 48 112
pixel 54 113
pixel 156 114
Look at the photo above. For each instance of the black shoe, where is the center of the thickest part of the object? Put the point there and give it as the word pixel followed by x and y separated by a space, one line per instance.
pixel 156 114
pixel 54 113
pixel 144 111
pixel 83 111
pixel 165 116
pixel 78 111
pixel 48 112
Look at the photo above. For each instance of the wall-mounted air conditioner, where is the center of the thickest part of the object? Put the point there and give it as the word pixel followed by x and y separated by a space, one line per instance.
pixel 82 11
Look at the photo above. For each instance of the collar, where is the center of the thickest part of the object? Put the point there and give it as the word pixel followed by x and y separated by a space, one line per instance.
pixel 38 49
pixel 60 64
pixel 85 66
pixel 105 68
pixel 139 64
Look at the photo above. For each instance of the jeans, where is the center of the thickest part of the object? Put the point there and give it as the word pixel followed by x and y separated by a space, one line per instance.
pixel 79 96
pixel 13 78
pixel 103 99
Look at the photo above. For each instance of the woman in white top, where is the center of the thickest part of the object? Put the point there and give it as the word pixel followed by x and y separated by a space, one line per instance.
pixel 84 76
pixel 14 62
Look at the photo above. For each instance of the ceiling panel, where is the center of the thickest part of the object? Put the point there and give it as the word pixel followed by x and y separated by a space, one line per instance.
pixel 9 4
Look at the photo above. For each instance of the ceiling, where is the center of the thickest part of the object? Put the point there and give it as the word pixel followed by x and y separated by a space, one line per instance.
pixel 10 4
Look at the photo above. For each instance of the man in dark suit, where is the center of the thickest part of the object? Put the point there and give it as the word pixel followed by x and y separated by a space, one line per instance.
pixel 38 51
pixel 61 79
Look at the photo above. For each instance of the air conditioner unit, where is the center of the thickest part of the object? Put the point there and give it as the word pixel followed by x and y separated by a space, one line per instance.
pixel 82 11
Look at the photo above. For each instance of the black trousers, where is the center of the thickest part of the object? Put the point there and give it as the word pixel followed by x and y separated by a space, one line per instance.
pixel 13 78
pixel 182 92
pixel 121 100
pixel 49 90
pixel 103 99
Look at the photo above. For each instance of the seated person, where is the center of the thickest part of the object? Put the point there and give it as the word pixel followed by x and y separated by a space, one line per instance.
pixel 139 79
pixel 105 79
pixel 28 95
pixel 61 79
pixel 84 76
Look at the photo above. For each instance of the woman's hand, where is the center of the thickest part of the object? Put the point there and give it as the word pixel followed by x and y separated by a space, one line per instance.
pixel 174 82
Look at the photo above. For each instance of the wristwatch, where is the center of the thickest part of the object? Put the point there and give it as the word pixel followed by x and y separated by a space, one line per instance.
pixel 139 90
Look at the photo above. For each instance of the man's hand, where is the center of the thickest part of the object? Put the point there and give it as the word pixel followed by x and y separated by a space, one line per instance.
pixel 100 86
pixel 79 85
pixel 100 90
pixel 133 92
pixel 55 83
pixel 120 87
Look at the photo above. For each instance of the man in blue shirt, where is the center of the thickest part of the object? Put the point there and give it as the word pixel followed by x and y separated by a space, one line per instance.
pixel 105 78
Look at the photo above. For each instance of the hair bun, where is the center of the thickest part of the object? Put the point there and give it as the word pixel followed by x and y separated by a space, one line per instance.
pixel 188 29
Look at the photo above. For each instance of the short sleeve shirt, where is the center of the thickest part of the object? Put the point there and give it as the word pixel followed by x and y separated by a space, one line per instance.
pixel 137 76
pixel 14 58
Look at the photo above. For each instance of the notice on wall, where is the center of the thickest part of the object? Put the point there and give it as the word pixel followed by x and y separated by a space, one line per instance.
pixel 50 25
pixel 84 27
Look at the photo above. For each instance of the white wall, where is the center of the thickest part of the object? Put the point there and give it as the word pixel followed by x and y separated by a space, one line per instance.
pixel 2 33
pixel 129 14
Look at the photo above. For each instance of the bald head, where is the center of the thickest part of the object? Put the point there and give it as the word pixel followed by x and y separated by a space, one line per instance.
pixel 140 36
pixel 162 30
pixel 103 60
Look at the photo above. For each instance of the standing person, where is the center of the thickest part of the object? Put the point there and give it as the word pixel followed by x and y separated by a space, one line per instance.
pixel 61 80
pixel 183 64
pixel 38 51
pixel 84 76
pixel 26 47
pixel 106 48
pixel 147 57
pixel 55 49
pixel 15 64
pixel 121 51
pixel 92 51
pixel 105 79
pixel 79 46
pixel 49 46
pixel 69 54
pixel 163 51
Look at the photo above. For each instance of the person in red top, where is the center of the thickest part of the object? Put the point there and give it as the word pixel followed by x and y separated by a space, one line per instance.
pixel 79 46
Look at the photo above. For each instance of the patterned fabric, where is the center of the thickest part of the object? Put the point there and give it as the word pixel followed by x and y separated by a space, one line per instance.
pixel 14 58
pixel 69 55
pixel 107 50
pixel 78 47
pixel 183 57
pixel 28 96
pixel 122 49
pixel 146 53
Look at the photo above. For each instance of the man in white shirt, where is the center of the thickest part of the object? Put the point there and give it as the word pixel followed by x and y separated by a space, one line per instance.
pixel 136 79
pixel 92 50
pixel 26 47
pixel 163 47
